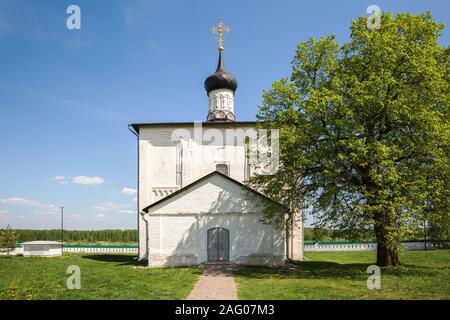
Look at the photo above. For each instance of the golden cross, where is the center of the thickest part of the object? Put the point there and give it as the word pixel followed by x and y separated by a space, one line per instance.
pixel 220 30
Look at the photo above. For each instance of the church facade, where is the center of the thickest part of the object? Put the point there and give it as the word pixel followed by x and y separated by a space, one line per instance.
pixel 193 206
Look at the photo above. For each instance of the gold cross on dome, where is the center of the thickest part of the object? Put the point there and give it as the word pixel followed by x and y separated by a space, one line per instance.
pixel 220 30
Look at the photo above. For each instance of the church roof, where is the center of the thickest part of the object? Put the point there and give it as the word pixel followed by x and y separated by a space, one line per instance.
pixel 221 79
pixel 146 209
pixel 136 126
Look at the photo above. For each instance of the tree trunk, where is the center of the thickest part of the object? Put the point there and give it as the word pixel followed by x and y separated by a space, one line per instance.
pixel 387 255
pixel 387 248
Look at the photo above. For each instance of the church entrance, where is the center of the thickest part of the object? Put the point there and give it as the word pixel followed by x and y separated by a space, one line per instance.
pixel 218 244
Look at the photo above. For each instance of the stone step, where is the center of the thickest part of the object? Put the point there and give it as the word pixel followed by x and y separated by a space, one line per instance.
pixel 219 263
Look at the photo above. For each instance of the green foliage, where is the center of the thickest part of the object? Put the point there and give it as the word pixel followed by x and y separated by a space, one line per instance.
pixel 321 234
pixel 318 234
pixel 364 131
pixel 80 237
pixel 8 239
pixel 439 228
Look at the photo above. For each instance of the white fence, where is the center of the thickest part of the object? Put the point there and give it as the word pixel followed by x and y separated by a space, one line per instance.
pixel 131 250
pixel 317 247
pixel 101 249
pixel 421 245
pixel 355 246
pixel 341 247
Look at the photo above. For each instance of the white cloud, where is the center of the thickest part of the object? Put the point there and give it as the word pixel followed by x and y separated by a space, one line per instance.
pixel 114 208
pixel 46 213
pixel 58 178
pixel 126 211
pixel 15 201
pixel 76 216
pixel 31 203
pixel 3 213
pixel 135 199
pixel 111 207
pixel 84 180
pixel 92 181
pixel 101 216
pixel 129 191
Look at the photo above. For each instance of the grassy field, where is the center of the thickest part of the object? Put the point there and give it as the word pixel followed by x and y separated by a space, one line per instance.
pixel 342 275
pixel 102 277
pixel 327 275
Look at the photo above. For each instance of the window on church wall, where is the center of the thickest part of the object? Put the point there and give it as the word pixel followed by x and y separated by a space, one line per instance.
pixel 166 161
pixel 214 102
pixel 222 168
pixel 247 165
pixel 179 165
pixel 163 165
pixel 221 101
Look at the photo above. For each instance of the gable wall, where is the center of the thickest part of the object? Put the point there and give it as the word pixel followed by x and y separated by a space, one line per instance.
pixel 213 195
pixel 178 226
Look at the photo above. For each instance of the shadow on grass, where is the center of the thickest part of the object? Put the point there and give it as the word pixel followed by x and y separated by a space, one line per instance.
pixel 120 260
pixel 328 270
pixel 125 260
pixel 307 270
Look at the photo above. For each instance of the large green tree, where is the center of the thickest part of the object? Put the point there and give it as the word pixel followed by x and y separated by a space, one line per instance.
pixel 364 130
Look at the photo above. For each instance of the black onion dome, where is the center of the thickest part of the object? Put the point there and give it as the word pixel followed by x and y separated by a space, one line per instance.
pixel 221 79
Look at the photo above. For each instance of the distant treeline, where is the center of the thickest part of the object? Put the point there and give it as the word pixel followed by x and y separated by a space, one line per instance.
pixel 84 236
pixel 328 235
pixel 131 236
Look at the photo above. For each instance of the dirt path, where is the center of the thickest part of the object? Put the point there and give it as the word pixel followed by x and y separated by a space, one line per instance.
pixel 216 283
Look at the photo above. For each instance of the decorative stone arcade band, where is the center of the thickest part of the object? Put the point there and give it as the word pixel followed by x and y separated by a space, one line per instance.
pixel 221 100
pixel 221 105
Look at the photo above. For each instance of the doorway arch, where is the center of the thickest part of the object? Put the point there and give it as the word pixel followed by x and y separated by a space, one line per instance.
pixel 218 244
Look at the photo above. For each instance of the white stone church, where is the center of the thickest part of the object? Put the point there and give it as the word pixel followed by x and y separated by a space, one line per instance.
pixel 193 206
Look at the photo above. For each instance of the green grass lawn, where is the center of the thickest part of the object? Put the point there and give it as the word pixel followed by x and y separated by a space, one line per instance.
pixel 342 275
pixel 327 275
pixel 102 277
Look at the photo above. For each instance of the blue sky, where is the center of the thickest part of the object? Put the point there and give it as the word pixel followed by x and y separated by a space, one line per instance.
pixel 66 96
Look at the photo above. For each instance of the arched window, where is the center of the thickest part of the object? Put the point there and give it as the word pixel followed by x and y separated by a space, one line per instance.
pixel 247 165
pixel 222 168
pixel 221 102
pixel 166 157
pixel 228 103
pixel 179 166
pixel 215 102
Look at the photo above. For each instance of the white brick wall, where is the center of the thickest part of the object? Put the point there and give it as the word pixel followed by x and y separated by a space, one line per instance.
pixel 198 159
pixel 178 226
pixel 187 235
